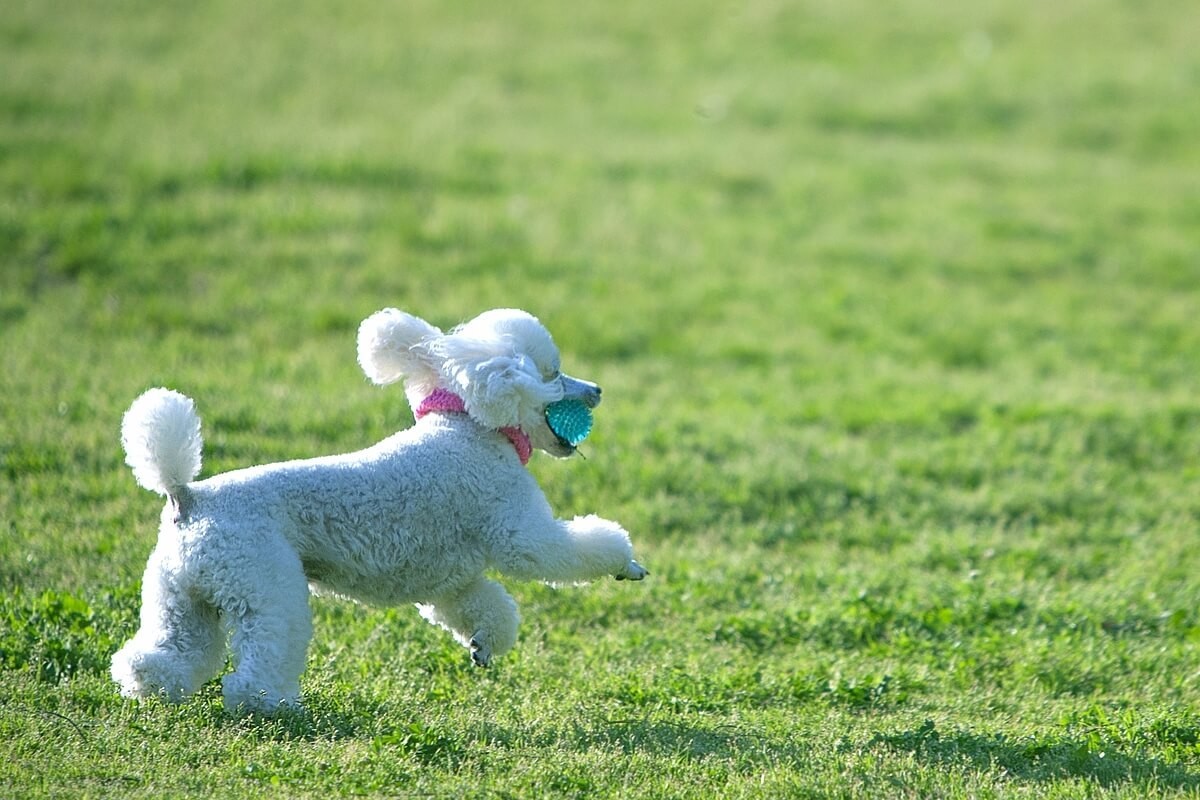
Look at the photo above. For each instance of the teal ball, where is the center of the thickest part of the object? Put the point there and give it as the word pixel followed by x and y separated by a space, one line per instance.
pixel 570 420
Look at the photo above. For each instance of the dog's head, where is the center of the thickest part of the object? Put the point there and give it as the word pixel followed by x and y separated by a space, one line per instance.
pixel 503 364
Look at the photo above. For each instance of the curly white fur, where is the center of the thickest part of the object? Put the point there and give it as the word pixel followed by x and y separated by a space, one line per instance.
pixel 416 518
pixel 161 437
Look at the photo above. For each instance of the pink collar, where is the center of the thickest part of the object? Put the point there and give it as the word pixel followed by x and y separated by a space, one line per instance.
pixel 443 401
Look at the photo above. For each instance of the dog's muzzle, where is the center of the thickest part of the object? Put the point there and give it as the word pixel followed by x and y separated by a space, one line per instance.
pixel 584 391
pixel 570 417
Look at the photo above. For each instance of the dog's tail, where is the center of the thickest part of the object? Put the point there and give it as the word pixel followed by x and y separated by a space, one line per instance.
pixel 161 436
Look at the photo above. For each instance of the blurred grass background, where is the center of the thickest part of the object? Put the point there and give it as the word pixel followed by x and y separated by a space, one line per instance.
pixel 894 308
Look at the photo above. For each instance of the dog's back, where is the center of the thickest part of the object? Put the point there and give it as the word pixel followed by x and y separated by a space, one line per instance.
pixel 402 520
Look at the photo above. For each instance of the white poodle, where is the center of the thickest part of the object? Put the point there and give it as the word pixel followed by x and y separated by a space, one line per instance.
pixel 417 518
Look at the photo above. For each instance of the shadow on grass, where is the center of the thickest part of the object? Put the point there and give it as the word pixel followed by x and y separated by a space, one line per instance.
pixel 1039 759
pixel 439 742
pixel 315 721
pixel 685 741
pixel 384 726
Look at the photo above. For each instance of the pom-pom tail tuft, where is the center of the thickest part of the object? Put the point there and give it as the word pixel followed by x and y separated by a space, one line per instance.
pixel 161 436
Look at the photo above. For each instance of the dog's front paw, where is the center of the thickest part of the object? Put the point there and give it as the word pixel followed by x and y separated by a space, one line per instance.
pixel 633 572
pixel 481 653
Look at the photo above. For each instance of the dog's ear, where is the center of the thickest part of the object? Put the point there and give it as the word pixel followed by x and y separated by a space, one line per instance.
pixel 497 390
pixel 389 348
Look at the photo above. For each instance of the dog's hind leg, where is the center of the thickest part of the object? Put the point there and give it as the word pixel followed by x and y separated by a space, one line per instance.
pixel 180 644
pixel 483 617
pixel 574 551
pixel 272 626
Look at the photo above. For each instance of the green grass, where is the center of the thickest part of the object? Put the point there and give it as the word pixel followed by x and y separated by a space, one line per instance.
pixel 895 312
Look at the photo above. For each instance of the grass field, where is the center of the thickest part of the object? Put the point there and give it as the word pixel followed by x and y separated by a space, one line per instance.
pixel 895 308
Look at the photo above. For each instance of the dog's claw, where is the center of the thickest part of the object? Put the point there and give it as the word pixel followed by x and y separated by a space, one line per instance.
pixel 633 572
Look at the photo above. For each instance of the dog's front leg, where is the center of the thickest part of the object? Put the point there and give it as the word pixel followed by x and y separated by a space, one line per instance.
pixel 482 616
pixel 575 551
